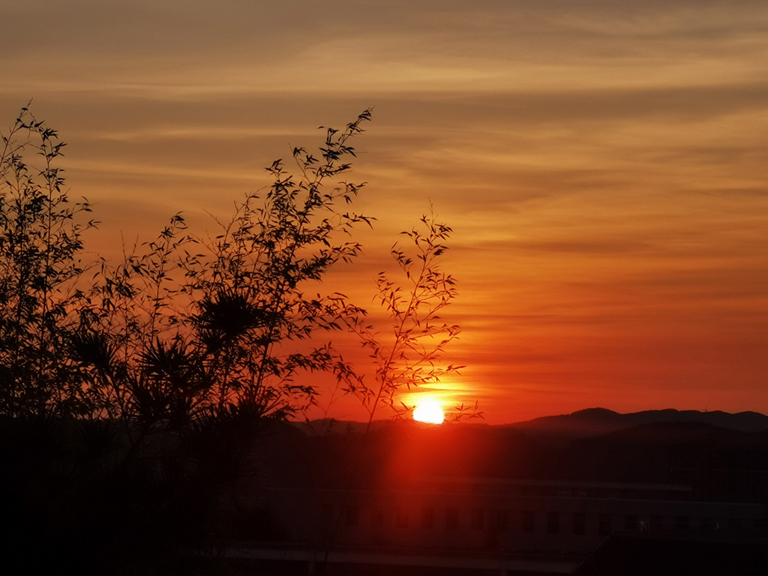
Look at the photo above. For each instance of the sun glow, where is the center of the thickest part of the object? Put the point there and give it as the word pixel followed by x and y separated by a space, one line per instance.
pixel 429 411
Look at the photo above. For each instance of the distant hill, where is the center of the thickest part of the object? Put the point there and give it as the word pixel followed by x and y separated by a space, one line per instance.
pixel 741 421
pixel 599 421
pixel 586 423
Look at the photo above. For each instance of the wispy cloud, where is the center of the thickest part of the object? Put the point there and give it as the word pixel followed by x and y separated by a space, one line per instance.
pixel 602 163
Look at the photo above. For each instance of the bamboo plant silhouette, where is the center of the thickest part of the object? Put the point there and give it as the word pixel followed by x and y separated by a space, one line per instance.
pixel 40 242
pixel 224 311
pixel 419 335
pixel 250 294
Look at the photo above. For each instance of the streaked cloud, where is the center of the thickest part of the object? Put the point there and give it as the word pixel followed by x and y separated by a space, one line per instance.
pixel 602 163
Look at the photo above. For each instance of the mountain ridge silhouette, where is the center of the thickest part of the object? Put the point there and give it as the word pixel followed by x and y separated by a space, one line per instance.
pixel 600 421
pixel 584 423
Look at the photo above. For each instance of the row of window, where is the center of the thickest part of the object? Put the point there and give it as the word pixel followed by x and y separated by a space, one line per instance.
pixel 526 521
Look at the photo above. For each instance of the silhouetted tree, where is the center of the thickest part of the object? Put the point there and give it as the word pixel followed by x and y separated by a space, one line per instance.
pixel 248 293
pixel 40 244
pixel 189 328
pixel 154 374
pixel 169 359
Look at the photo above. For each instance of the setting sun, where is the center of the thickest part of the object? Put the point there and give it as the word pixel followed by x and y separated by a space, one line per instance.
pixel 429 411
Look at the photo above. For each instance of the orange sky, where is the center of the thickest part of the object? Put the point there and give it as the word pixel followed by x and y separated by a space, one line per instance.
pixel 603 164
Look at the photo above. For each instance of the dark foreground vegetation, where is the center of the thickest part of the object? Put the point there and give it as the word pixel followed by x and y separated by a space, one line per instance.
pixel 131 392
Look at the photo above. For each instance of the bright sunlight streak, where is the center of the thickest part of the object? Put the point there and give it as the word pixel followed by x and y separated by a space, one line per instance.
pixel 429 411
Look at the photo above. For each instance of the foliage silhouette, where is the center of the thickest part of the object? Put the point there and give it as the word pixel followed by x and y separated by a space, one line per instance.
pixel 172 335
pixel 40 243
pixel 410 356
pixel 154 375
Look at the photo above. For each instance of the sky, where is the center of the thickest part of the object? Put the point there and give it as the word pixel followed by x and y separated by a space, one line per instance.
pixel 602 164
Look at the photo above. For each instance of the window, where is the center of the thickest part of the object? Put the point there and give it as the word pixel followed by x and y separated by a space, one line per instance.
pixel 553 522
pixel 353 515
pixel 478 519
pixel 630 522
pixel 452 519
pixel 606 525
pixel 579 523
pixel 529 522
pixel 401 518
pixel 657 522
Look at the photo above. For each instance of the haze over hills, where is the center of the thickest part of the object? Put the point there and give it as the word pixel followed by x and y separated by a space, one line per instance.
pixel 581 424
pixel 599 421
